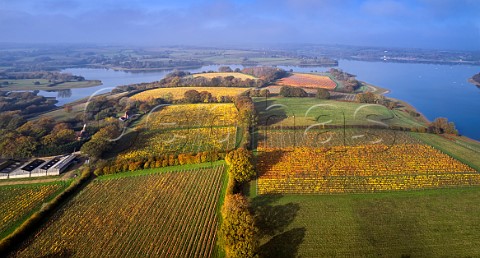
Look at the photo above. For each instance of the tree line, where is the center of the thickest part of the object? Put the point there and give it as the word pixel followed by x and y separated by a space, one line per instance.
pixel 25 101
pixel 350 84
pixel 28 139
pixel 51 76
pixel 179 78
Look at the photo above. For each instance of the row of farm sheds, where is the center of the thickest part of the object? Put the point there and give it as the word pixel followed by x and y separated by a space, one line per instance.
pixel 38 167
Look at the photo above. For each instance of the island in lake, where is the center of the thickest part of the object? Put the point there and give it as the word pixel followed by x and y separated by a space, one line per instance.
pixel 475 80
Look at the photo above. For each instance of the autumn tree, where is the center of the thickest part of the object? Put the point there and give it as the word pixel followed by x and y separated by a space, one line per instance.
pixel 322 94
pixel 37 128
pixel 206 97
pixel 238 229
pixel 287 91
pixel 192 96
pixel 102 141
pixel 240 163
pixel 15 145
pixel 225 69
pixel 11 120
pixel 59 137
pixel 94 148
pixel 246 109
pixel 441 125
pixel 367 97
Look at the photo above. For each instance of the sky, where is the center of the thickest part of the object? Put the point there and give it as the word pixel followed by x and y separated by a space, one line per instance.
pixel 436 24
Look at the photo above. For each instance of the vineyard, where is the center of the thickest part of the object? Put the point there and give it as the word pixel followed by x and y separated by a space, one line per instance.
pixel 178 92
pixel 363 168
pixel 20 200
pixel 193 115
pixel 241 76
pixel 308 81
pixel 170 214
pixel 172 141
pixel 189 128
pixel 270 137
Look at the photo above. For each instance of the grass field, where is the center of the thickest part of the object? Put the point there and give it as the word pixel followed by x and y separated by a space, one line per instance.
pixel 178 92
pixel 172 213
pixel 28 84
pixel 241 76
pixel 308 81
pixel 310 111
pixel 20 201
pixel 429 223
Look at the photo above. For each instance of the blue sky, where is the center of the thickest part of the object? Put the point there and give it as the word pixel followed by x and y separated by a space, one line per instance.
pixel 440 24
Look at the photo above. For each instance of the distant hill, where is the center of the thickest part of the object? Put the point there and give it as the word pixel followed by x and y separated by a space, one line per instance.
pixel 475 79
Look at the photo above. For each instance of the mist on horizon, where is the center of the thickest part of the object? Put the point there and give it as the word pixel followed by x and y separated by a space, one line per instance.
pixel 429 24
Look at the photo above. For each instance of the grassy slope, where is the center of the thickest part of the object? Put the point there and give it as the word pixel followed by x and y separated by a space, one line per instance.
pixel 428 223
pixel 299 107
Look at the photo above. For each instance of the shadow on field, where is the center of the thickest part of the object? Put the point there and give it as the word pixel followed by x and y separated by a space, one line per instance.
pixel 273 115
pixel 386 223
pixel 283 245
pixel 272 221
pixel 125 142
pixel 273 158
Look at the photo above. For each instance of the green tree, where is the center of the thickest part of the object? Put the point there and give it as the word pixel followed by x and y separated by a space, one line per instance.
pixel 11 120
pixel 101 141
pixel 14 145
pixel 95 148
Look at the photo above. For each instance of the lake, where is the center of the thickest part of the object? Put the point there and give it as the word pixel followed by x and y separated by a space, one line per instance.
pixel 435 90
pixel 111 79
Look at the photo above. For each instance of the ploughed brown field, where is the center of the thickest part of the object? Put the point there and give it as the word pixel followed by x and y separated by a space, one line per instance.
pixel 308 81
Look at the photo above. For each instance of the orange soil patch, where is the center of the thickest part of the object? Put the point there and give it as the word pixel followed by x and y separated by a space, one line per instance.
pixel 308 81
pixel 241 76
